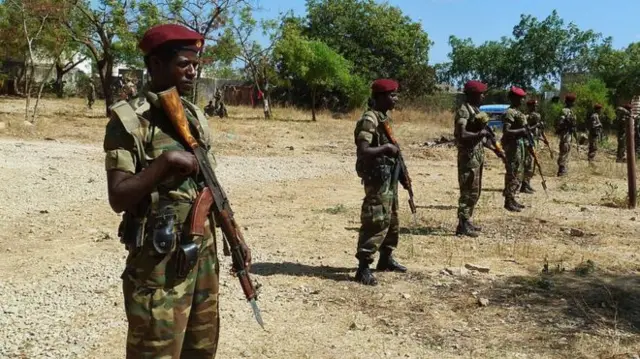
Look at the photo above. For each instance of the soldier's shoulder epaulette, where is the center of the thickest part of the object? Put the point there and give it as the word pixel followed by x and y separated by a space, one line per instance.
pixel 370 116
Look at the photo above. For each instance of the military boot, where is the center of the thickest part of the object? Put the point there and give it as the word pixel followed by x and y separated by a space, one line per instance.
pixel 364 275
pixel 464 229
pixel 473 227
pixel 526 188
pixel 387 263
pixel 562 171
pixel 511 205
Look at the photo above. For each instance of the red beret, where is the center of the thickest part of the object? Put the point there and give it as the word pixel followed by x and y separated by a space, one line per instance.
pixel 532 102
pixel 474 86
pixel 161 34
pixel 597 106
pixel 570 97
pixel 384 85
pixel 518 91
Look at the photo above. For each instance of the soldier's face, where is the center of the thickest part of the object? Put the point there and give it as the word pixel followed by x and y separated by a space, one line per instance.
pixel 180 71
pixel 475 98
pixel 387 101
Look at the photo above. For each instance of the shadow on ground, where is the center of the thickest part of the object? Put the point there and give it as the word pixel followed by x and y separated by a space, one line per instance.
pixel 588 298
pixel 338 274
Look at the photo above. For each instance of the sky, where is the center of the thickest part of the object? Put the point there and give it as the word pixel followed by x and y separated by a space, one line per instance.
pixel 483 20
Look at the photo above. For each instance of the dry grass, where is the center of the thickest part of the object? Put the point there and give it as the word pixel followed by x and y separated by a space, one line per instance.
pixel 563 280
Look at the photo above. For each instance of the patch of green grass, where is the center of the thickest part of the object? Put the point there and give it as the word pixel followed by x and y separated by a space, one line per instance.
pixel 337 209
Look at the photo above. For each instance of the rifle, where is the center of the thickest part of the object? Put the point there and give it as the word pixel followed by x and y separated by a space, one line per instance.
pixel 494 141
pixel 401 168
pixel 172 105
pixel 546 142
pixel 536 163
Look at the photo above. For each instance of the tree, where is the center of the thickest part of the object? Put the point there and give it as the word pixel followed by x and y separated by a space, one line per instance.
pixel 108 34
pixel 619 69
pixel 237 41
pixel 315 62
pixel 537 52
pixel 377 38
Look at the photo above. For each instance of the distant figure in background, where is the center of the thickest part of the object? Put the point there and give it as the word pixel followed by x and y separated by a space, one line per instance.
pixel 91 94
pixel 623 114
pixel 566 128
pixel 209 109
pixel 594 126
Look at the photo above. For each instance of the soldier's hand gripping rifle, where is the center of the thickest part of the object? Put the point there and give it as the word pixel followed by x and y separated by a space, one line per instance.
pixel 401 169
pixel 497 147
pixel 172 105
pixel 530 143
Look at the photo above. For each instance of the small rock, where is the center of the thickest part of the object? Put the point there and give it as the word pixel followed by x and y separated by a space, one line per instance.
pixel 456 346
pixel 43 211
pixel 50 139
pixel 474 267
pixel 27 124
pixel 290 148
pixel 356 326
pixel 2 126
pixel 576 232
pixel 457 271
pixel 406 296
pixel 584 209
pixel 483 302
pixel 444 272
pixel 633 218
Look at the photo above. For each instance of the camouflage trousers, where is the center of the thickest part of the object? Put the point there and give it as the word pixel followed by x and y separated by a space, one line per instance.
pixel 515 153
pixel 529 168
pixel 470 167
pixel 379 220
pixel 622 145
pixel 564 149
pixel 593 146
pixel 171 318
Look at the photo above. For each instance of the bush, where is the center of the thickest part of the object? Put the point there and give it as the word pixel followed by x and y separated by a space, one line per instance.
pixel 589 92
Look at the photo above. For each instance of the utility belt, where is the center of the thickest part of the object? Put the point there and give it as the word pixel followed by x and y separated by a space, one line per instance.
pixel 170 231
pixel 378 171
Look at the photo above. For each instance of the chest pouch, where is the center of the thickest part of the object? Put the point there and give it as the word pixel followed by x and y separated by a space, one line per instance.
pixel 164 234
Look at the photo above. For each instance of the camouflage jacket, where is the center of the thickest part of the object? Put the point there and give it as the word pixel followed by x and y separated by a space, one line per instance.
pixel 370 128
pixel 139 132
pixel 594 124
pixel 533 118
pixel 466 117
pixel 567 122
pixel 517 120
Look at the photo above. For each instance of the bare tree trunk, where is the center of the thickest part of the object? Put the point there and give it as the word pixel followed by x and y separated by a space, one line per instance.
pixel 59 76
pixel 35 107
pixel 105 68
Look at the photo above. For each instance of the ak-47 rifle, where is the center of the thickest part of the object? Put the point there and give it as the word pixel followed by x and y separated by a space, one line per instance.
pixel 401 169
pixel 536 163
pixel 172 105
pixel 496 145
pixel 543 136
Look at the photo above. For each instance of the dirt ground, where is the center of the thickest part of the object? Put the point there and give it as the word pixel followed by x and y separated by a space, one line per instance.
pixel 562 277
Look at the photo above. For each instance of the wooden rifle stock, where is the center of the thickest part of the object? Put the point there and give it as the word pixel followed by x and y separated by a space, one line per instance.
pixel 403 167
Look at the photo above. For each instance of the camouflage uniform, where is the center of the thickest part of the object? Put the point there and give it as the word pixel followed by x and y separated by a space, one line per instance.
pixel 379 216
pixel 470 163
pixel 168 316
pixel 529 166
pixel 514 148
pixel 594 126
pixel 622 116
pixel 566 126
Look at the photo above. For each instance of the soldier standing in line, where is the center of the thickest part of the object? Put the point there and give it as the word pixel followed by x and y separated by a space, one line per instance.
pixel 170 283
pixel 535 124
pixel 623 114
pixel 565 129
pixel 594 126
pixel 513 139
pixel 375 164
pixel 471 135
pixel 91 94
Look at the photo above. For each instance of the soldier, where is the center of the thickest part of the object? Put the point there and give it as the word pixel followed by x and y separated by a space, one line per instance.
pixel 565 129
pixel 471 137
pixel 91 94
pixel 623 114
pixel 209 109
pixel 535 124
pixel 594 126
pixel 170 293
pixel 375 164
pixel 513 139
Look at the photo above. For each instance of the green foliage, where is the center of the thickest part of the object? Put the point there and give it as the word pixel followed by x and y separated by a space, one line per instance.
pixel 376 37
pixel 539 51
pixel 588 93
pixel 318 66
pixel 620 70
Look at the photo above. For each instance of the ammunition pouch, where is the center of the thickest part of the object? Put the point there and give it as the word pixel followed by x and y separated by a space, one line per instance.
pixel 164 233
pixel 378 171
pixel 186 259
pixel 131 230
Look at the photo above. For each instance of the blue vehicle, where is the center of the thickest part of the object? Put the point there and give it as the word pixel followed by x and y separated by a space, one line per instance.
pixel 495 111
